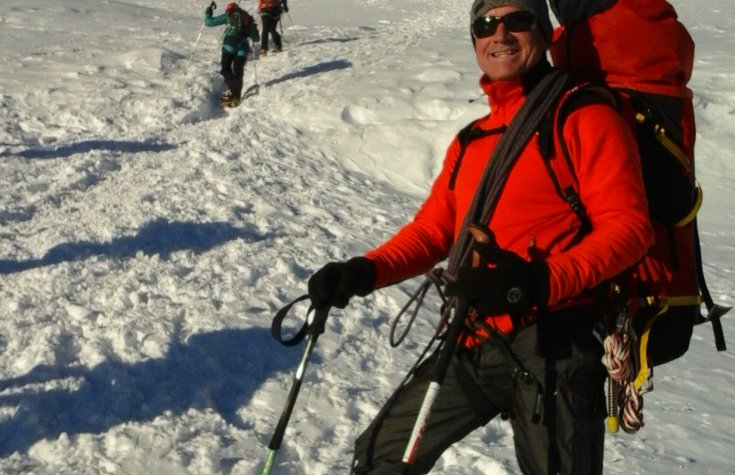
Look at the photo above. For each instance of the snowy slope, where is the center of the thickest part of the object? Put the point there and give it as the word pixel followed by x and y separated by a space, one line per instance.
pixel 147 237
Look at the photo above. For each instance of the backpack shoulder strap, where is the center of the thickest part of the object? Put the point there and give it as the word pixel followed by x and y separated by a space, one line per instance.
pixel 468 134
pixel 561 169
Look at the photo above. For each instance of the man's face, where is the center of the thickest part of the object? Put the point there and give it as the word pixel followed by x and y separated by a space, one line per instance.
pixel 506 55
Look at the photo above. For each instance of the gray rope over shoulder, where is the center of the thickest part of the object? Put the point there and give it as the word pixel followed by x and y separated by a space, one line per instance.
pixel 542 98
pixel 523 126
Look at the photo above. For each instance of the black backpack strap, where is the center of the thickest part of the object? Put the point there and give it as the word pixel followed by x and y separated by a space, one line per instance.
pixel 465 136
pixel 561 169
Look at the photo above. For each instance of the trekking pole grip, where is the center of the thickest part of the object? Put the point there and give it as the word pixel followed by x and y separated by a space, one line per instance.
pixel 481 236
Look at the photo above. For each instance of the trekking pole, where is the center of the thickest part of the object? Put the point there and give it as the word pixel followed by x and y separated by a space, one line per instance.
pixel 461 307
pixel 188 60
pixel 313 328
pixel 256 87
pixel 199 36
pixel 440 371
pixel 289 18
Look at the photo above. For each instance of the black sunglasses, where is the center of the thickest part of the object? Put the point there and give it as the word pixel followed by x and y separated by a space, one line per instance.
pixel 515 22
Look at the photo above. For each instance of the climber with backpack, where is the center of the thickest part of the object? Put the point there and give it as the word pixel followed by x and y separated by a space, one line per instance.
pixel 241 27
pixel 521 282
pixel 270 15
pixel 568 216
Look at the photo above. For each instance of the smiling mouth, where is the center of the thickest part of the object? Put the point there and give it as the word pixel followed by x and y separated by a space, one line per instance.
pixel 507 52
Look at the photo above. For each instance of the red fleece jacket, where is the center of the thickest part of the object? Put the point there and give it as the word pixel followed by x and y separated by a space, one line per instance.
pixel 531 218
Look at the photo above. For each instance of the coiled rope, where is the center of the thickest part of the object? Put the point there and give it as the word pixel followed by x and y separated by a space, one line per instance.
pixel 625 399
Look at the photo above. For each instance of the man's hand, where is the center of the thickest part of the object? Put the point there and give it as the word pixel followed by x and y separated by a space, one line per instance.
pixel 337 282
pixel 509 285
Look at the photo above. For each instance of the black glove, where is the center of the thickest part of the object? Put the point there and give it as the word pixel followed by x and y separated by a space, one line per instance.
pixel 208 11
pixel 334 284
pixel 285 9
pixel 514 285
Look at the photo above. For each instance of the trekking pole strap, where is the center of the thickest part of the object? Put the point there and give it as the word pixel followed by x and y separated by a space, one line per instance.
pixel 278 322
pixel 312 326
pixel 433 277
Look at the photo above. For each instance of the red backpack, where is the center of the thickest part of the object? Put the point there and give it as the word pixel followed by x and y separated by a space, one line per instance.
pixel 664 292
pixel 270 7
pixel 620 48
pixel 636 56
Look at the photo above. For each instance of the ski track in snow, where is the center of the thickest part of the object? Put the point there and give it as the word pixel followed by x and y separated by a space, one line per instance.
pixel 148 237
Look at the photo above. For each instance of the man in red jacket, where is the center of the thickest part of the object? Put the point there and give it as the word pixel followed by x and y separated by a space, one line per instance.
pixel 538 295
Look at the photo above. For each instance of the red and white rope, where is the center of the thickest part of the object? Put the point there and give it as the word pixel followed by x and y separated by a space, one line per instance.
pixel 631 407
pixel 617 359
pixel 617 356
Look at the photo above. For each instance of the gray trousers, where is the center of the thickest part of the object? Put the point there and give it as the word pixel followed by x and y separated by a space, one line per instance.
pixel 567 394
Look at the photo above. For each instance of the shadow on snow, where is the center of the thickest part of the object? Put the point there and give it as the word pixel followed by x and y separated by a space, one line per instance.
pixel 328 40
pixel 219 371
pixel 304 72
pixel 126 146
pixel 156 237
pixel 312 70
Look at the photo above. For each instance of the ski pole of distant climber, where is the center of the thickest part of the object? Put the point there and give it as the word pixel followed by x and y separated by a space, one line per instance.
pixel 196 43
pixel 313 328
pixel 442 364
pixel 255 66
